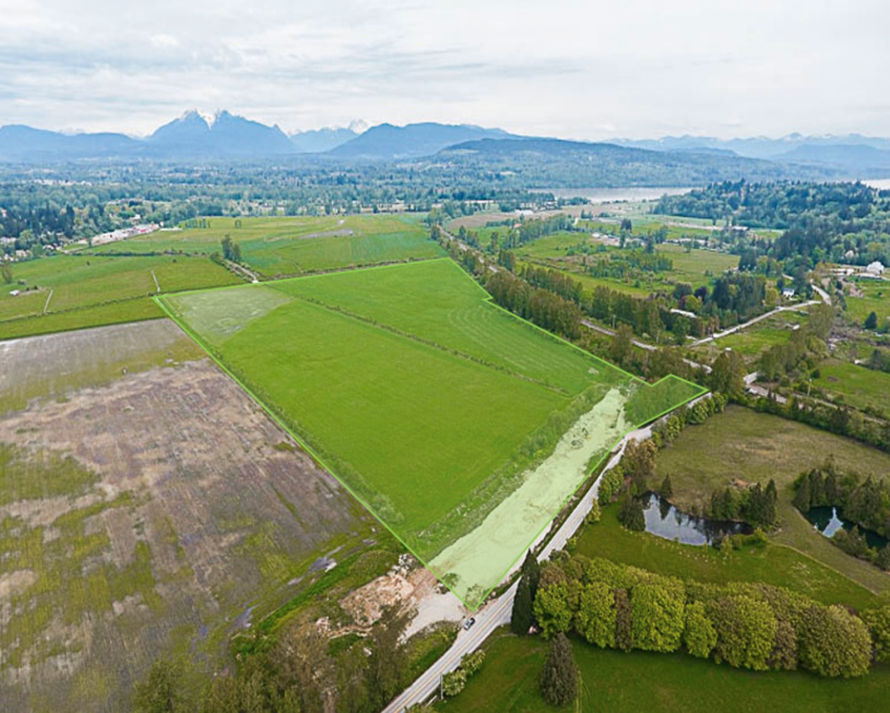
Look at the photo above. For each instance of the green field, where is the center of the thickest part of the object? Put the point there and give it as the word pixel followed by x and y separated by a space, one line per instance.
pixel 289 246
pixel 858 386
pixel 773 564
pixel 875 298
pixel 641 681
pixel 434 406
pixel 71 292
pixel 754 447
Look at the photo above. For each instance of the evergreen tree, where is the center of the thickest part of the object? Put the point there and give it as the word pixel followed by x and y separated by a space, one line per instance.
pixel 559 679
pixel 871 322
pixel 161 691
pixel 523 615
pixel 631 514
pixel 667 488
pixel 802 498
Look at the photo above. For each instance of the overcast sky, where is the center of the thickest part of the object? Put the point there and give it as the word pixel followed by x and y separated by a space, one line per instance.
pixel 583 69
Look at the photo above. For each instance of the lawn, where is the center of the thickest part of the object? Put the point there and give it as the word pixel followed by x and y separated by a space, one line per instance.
pixel 71 292
pixel 428 401
pixel 755 447
pixel 276 246
pixel 640 681
pixel 856 385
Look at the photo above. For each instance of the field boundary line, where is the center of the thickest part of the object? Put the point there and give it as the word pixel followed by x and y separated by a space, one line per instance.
pixel 48 298
pixel 157 284
pixel 168 309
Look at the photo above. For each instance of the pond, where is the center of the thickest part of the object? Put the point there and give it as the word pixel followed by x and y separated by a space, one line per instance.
pixel 664 520
pixel 827 520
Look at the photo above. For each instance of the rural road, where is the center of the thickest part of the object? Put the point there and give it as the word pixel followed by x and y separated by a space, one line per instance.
pixel 496 613
pixel 739 327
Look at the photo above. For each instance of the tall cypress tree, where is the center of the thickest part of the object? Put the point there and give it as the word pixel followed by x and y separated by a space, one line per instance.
pixel 559 679
pixel 522 616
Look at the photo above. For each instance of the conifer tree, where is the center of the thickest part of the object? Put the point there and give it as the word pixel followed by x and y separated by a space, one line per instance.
pixel 559 679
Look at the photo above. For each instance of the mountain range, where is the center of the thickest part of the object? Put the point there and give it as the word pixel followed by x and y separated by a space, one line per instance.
pixel 229 137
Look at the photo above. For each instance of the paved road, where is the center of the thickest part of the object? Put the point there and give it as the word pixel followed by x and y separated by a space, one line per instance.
pixel 496 613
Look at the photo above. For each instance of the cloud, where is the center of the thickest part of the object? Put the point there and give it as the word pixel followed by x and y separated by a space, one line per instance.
pixel 585 70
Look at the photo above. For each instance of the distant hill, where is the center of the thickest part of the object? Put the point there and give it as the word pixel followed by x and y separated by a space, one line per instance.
pixel 553 163
pixel 850 152
pixel 321 140
pixel 386 142
pixel 25 143
pixel 867 161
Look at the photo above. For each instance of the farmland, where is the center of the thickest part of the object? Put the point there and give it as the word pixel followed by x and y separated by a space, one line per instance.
pixel 855 385
pixel 68 292
pixel 419 379
pixel 291 246
pixel 869 296
pixel 147 506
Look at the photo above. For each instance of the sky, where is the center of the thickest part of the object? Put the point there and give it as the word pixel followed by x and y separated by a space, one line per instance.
pixel 580 69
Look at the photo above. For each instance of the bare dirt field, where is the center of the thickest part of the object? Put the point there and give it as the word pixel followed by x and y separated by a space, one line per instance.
pixel 146 504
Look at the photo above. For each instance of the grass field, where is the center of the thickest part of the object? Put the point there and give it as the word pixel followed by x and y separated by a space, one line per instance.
pixel 752 341
pixel 147 507
pixel 875 298
pixel 428 401
pixel 773 564
pixel 72 292
pixel 289 246
pixel 755 447
pixel 855 385
pixel 641 681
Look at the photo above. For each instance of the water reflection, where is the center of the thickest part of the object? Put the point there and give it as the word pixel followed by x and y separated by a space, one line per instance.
pixel 664 520
pixel 827 520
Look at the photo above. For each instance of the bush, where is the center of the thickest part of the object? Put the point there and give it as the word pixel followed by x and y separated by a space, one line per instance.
pixel 595 618
pixel 833 642
pixel 699 636
pixel 746 631
pixel 657 615
pixel 552 609
pixel 878 622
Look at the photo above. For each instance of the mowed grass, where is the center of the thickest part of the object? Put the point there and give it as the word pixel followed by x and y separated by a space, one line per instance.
pixel 424 398
pixel 754 447
pixel 73 292
pixel 643 681
pixel 773 564
pixel 403 415
pixel 276 246
pixel 436 301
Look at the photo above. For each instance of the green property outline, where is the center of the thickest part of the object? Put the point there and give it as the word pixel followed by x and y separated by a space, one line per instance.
pixel 179 320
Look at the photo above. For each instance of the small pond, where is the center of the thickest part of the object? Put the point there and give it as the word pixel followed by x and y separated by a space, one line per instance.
pixel 664 520
pixel 827 520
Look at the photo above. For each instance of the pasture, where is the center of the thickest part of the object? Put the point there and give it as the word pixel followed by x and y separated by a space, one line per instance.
pixel 276 246
pixel 147 506
pixel 871 296
pixel 71 292
pixel 855 385
pixel 430 403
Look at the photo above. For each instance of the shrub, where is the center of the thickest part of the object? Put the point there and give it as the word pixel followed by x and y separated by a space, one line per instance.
pixel 699 636
pixel 657 615
pixel 746 631
pixel 595 618
pixel 833 642
pixel 878 622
